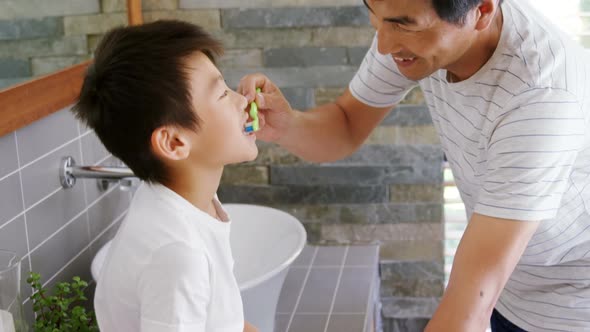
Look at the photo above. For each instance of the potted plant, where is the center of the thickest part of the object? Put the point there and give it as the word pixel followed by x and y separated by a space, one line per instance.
pixel 62 309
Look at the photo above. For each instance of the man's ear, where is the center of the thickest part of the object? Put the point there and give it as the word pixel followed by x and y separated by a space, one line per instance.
pixel 170 143
pixel 486 11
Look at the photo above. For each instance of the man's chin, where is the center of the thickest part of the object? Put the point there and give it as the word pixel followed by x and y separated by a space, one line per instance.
pixel 416 72
pixel 413 75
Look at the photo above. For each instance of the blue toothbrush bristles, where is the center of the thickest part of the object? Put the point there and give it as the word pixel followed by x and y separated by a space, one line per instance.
pixel 249 127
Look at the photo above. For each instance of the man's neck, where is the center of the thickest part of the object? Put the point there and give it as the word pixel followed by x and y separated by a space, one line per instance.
pixel 479 53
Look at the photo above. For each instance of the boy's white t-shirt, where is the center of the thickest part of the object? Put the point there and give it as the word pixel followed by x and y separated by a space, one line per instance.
pixel 169 268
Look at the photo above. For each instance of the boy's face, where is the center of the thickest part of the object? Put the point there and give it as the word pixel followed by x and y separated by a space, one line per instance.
pixel 220 140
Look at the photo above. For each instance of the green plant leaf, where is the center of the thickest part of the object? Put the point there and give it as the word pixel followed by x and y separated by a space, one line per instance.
pixel 54 312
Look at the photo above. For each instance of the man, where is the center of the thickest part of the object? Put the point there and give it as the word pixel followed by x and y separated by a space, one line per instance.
pixel 508 96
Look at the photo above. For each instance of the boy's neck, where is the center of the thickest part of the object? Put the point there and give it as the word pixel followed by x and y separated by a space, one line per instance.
pixel 198 186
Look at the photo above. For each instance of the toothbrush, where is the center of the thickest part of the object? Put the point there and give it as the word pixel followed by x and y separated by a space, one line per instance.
pixel 254 124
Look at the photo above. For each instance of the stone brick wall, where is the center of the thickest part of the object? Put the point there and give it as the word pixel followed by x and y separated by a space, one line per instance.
pixel 389 192
pixel 34 39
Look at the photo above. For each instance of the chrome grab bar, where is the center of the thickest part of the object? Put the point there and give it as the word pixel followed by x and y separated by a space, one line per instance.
pixel 69 172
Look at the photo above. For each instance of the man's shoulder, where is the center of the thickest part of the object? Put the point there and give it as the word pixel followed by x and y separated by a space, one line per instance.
pixel 541 53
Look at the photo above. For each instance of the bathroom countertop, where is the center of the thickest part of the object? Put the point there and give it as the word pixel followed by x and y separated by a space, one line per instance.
pixel 331 289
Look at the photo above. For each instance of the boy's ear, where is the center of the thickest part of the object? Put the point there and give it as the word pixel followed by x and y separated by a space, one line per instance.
pixel 170 143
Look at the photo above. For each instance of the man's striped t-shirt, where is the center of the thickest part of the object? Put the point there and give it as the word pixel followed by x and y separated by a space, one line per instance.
pixel 516 137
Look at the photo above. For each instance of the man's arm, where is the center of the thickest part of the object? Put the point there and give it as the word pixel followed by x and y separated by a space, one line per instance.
pixel 487 254
pixel 332 131
pixel 325 133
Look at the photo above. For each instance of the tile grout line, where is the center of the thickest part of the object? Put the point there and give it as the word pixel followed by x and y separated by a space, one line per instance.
pixel 11 220
pixel 108 191
pixel 49 237
pixel 22 193
pixel 84 185
pixel 302 288
pixel 53 150
pixel 42 199
pixel 109 226
pixel 336 289
pixel 69 222
pixel 9 174
pixel 56 191
pixel 85 210
pixel 375 276
pixel 46 197
pixel 32 206
pixel 84 249
pixel 38 158
pixel 103 160
pixel 25 210
pixel 37 202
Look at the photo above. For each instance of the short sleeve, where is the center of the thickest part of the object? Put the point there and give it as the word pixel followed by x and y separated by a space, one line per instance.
pixel 378 82
pixel 174 290
pixel 530 156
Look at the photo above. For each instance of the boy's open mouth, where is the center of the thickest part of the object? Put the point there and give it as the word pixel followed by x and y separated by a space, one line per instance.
pixel 248 129
pixel 247 126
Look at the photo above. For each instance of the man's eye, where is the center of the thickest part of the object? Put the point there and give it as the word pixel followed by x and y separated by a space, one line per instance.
pixel 398 27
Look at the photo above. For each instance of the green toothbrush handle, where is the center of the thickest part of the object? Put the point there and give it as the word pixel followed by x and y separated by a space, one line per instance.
pixel 254 114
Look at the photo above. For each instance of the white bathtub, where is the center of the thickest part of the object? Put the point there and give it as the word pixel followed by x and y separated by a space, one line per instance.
pixel 264 241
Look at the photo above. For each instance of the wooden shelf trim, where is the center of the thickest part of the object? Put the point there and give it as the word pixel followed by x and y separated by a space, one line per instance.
pixel 25 103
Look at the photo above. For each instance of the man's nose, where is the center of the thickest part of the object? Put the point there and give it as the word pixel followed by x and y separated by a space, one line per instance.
pixel 388 42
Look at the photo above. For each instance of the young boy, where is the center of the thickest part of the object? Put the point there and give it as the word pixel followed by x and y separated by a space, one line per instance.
pixel 157 102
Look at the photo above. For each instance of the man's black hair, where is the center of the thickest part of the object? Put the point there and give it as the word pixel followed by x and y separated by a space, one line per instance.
pixel 455 11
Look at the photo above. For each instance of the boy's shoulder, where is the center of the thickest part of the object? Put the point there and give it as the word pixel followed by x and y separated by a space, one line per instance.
pixel 152 219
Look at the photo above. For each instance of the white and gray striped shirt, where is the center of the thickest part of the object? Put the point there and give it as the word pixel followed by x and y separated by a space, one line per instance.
pixel 516 136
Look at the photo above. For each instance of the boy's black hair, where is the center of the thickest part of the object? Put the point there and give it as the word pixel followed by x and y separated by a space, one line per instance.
pixel 139 82
pixel 454 11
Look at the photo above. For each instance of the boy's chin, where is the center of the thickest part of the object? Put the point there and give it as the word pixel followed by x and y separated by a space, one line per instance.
pixel 252 155
pixel 247 156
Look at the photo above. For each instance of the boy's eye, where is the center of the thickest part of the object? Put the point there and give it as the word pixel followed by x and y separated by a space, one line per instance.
pixel 224 94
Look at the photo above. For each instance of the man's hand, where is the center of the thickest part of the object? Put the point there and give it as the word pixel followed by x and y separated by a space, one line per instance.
pixel 275 113
pixel 249 327
pixel 323 134
pixel 485 259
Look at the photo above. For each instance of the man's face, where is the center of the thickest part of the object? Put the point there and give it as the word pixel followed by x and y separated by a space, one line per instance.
pixel 418 40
